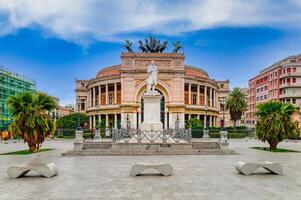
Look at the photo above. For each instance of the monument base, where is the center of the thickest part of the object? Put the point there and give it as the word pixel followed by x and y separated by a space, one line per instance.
pixel 147 126
pixel 151 100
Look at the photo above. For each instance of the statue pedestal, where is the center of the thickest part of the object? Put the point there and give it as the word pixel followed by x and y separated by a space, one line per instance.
pixel 151 100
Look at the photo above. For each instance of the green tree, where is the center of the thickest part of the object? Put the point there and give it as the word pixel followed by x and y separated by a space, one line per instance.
pixel 194 123
pixel 31 119
pixel 275 123
pixel 236 103
pixel 70 121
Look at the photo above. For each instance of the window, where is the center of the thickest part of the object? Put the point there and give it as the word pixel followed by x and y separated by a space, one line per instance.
pixel 194 99
pixel 222 85
pixel 294 101
pixel 294 80
pixel 83 84
pixel 294 69
pixel 110 99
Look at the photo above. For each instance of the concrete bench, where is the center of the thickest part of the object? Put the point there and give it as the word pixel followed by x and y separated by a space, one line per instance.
pixel 249 168
pixel 47 170
pixel 139 168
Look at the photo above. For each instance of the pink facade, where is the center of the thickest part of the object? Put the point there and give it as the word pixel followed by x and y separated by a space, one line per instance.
pixel 277 82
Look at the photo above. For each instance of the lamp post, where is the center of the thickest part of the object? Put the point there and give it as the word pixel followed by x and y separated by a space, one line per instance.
pixel 223 133
pixel 205 131
pixel 78 115
pixel 78 143
pixel 205 118
pixel 223 103
pixel 97 131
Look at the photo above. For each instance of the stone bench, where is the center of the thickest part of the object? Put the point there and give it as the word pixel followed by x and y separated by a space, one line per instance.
pixel 249 168
pixel 139 168
pixel 47 170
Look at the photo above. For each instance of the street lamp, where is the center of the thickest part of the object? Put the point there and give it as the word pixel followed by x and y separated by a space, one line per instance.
pixel 97 121
pixel 223 103
pixel 78 116
pixel 205 118
pixel 223 133
pixel 97 135
pixel 205 131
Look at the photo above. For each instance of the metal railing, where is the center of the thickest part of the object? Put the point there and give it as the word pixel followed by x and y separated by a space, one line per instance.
pixel 162 136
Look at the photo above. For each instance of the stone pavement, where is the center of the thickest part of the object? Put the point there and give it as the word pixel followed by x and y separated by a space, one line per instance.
pixel 195 176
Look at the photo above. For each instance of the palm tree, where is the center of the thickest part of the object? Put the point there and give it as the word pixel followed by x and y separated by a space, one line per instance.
pixel 274 122
pixel 236 103
pixel 31 120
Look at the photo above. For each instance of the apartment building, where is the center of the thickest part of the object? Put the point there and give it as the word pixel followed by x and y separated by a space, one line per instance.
pixel 281 81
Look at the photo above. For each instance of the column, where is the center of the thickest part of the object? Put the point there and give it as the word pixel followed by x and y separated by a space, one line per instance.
pixel 123 123
pixel 115 93
pixel 205 121
pixel 90 122
pixel 205 96
pixel 88 99
pixel 198 95
pixel 107 94
pixel 210 121
pixel 182 119
pixel 94 121
pixel 210 97
pixel 107 120
pixel 216 99
pixel 213 97
pixel 171 122
pixel 99 95
pixel 189 93
pixel 165 120
pixel 134 122
pixel 115 120
pixel 94 96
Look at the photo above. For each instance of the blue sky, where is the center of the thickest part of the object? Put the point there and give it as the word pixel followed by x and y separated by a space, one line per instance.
pixel 55 42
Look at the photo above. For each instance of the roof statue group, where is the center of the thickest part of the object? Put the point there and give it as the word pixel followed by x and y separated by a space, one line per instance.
pixel 152 45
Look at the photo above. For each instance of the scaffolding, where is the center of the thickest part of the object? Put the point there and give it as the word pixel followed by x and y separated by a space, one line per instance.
pixel 11 84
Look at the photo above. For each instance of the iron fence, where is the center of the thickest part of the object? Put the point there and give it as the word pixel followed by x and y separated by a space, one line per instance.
pixel 165 136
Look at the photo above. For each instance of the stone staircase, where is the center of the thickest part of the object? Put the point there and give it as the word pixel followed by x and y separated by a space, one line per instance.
pixel 101 148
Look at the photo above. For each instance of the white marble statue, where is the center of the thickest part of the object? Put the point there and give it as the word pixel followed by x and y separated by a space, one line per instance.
pixel 152 71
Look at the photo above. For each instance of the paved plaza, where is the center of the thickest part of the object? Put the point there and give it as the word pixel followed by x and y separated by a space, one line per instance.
pixel 195 177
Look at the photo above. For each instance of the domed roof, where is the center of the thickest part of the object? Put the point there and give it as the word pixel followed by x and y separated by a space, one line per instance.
pixel 109 71
pixel 196 72
pixel 116 70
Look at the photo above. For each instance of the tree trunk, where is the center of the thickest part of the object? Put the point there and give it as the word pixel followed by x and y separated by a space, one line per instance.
pixel 32 148
pixel 273 145
pixel 234 124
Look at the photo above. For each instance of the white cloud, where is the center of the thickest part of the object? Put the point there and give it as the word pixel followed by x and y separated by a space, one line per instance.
pixel 81 21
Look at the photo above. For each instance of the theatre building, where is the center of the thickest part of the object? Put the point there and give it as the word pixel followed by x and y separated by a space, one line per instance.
pixel 114 96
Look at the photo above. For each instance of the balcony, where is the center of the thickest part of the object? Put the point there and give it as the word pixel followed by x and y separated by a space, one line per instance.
pixel 290 95
pixel 290 74
pixel 292 64
pixel 285 85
